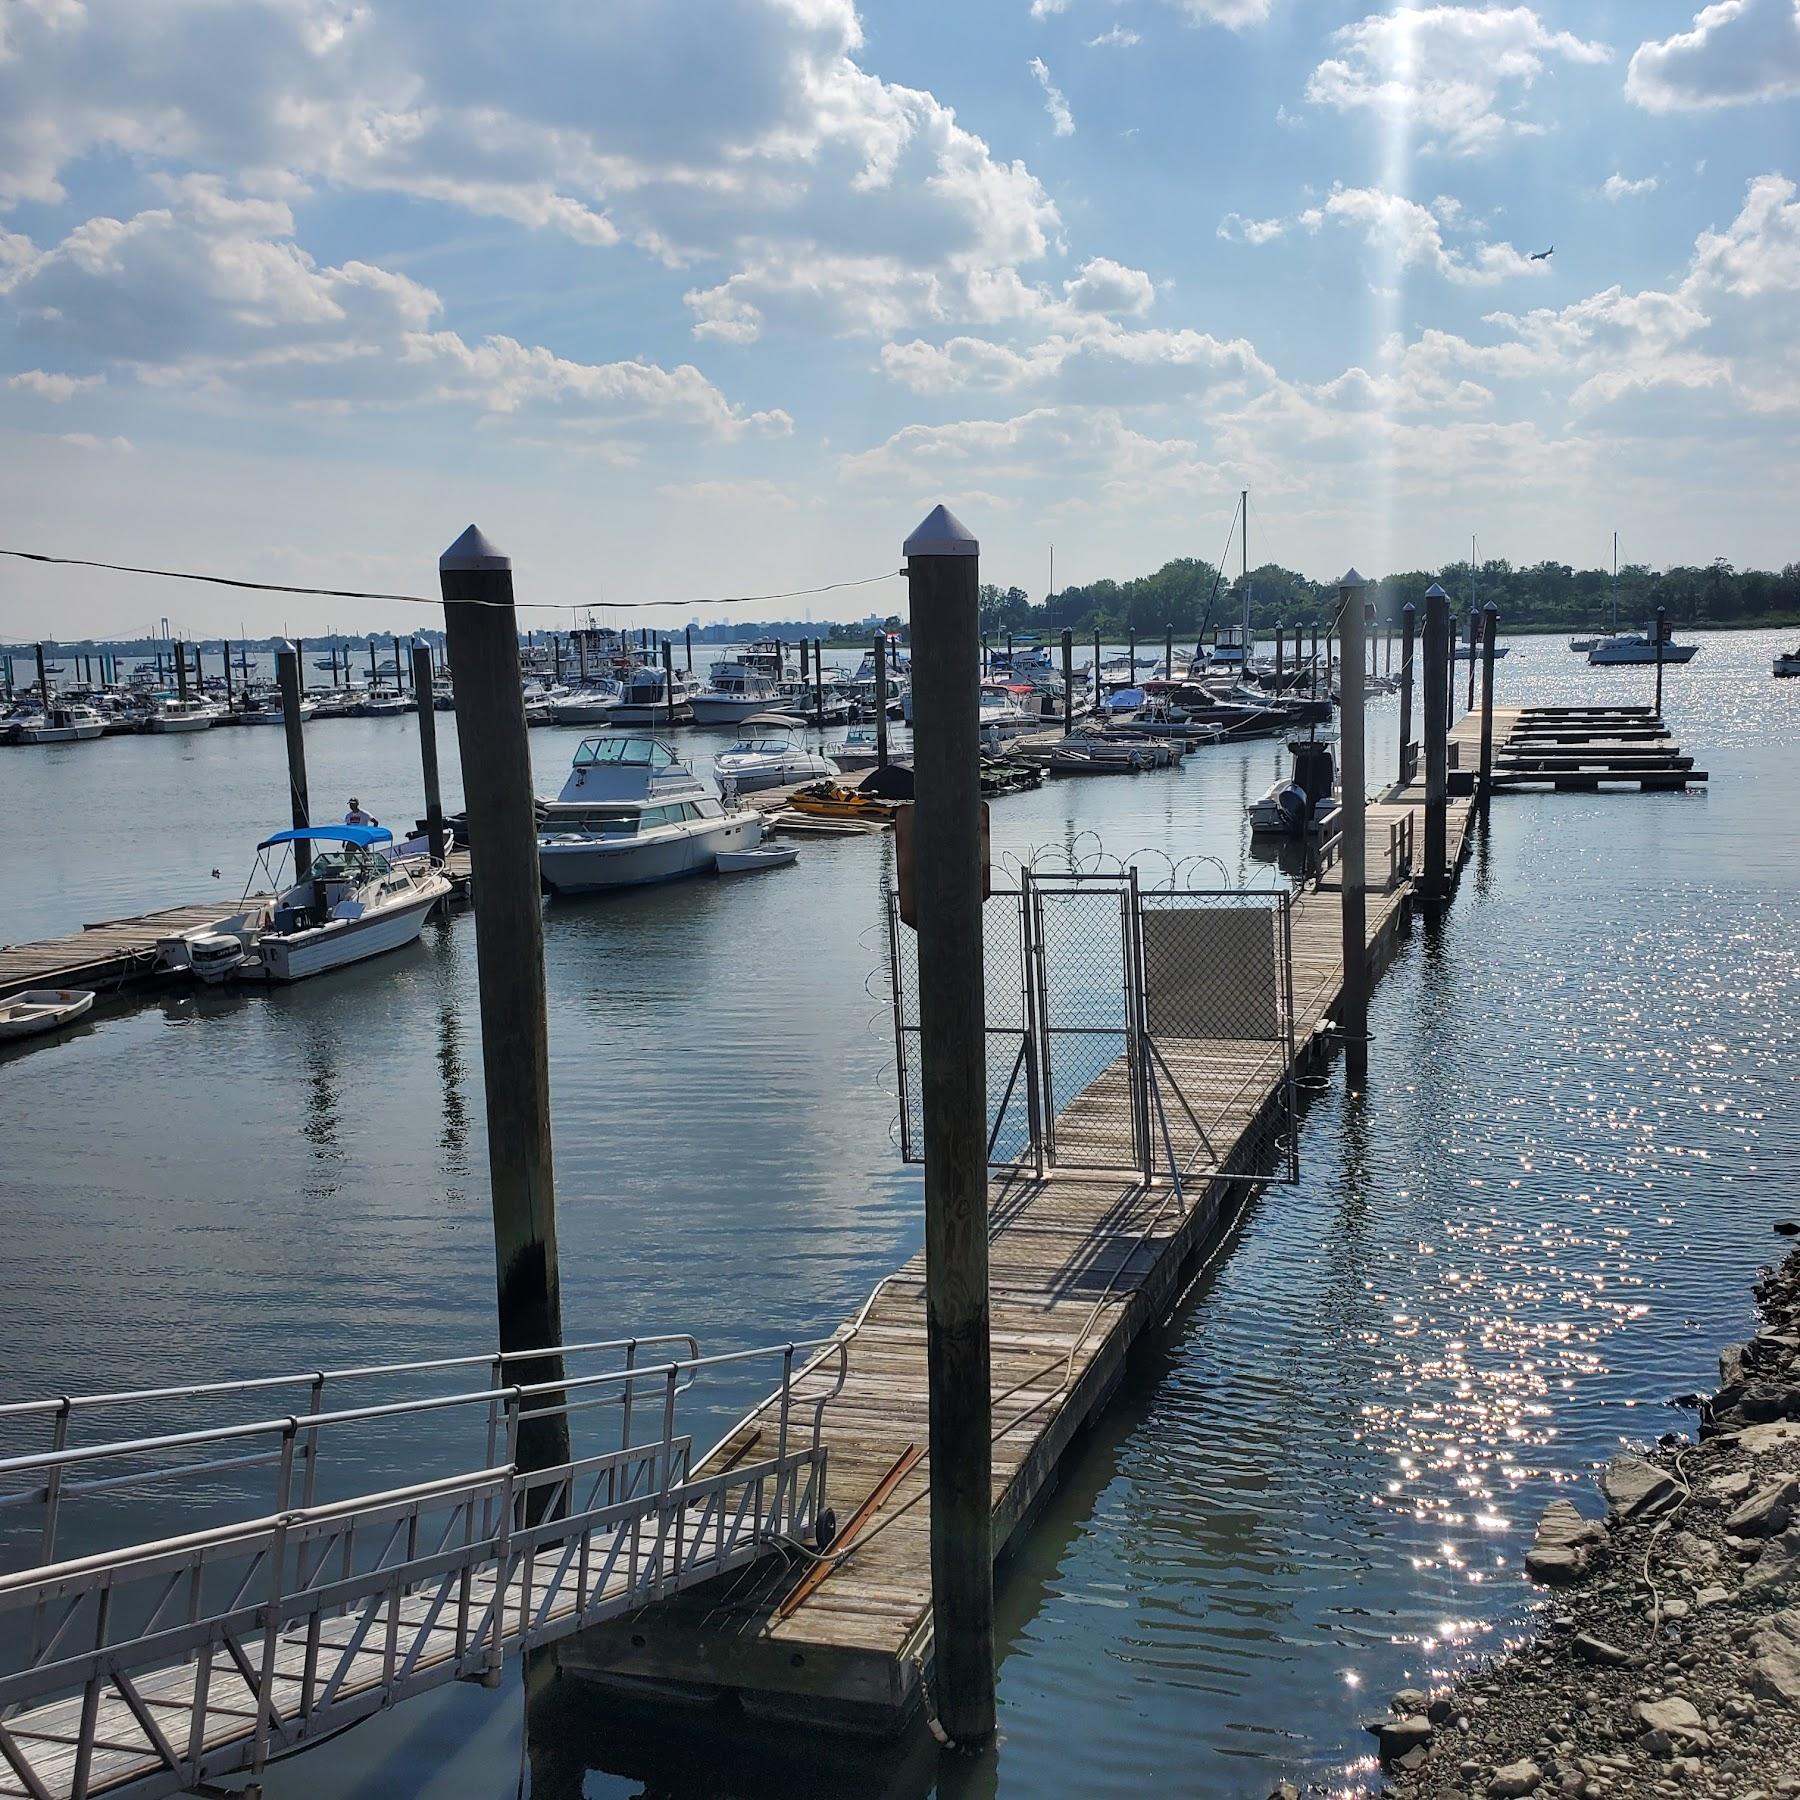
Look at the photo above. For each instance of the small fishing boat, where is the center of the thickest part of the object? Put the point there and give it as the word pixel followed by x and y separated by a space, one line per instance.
pixel 62 725
pixel 632 813
pixel 749 862
pixel 41 1009
pixel 770 752
pixel 1078 755
pixel 383 705
pixel 181 716
pixel 1788 663
pixel 1306 801
pixel 352 903
pixel 1461 652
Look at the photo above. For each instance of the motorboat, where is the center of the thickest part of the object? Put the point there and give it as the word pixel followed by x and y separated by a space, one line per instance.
pixel 1081 754
pixel 738 687
pixel 861 749
pixel 268 709
pixel 39 1010
pixel 1638 648
pixel 591 704
pixel 647 700
pixel 62 725
pixel 1788 663
pixel 631 813
pixel 1461 652
pixel 352 903
pixel 770 752
pixel 181 715
pixel 1305 802
pixel 383 703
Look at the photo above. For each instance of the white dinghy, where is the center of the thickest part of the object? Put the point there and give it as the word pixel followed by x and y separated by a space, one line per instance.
pixel 40 1010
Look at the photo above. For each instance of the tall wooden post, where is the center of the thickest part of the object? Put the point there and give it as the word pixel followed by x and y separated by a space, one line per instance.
pixel 669 680
pixel 943 570
pixel 181 671
pixel 984 653
pixel 428 755
pixel 399 666
pixel 374 678
pixel 881 701
pixel 1490 622
pixel 1662 631
pixel 818 684
pixel 1009 652
pixel 483 635
pixel 287 674
pixel 687 638
pixel 1435 882
pixel 1408 621
pixel 1315 661
pixel 1450 678
pixel 1280 641
pixel 1068 650
pixel 1169 652
pixel 1474 642
pixel 1096 670
pixel 228 701
pixel 1353 1013
pixel 43 682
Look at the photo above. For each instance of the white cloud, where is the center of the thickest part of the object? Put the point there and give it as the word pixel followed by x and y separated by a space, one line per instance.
pixel 1062 121
pixel 1046 9
pixel 52 387
pixel 1235 226
pixel 1737 51
pixel 1120 37
pixel 1619 187
pixel 1105 286
pixel 1456 75
pixel 86 440
pixel 1235 13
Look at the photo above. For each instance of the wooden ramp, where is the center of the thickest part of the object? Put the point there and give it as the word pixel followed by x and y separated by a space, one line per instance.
pixel 1080 1264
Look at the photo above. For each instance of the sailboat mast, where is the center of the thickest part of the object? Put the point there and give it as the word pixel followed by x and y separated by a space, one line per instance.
pixel 1615 596
pixel 1244 566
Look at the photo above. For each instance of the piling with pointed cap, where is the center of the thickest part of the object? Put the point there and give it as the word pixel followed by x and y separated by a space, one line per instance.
pixel 181 671
pixel 482 632
pixel 1408 624
pixel 1169 652
pixel 1353 1012
pixel 287 674
pixel 1490 625
pixel 428 751
pixel 669 679
pixel 1068 650
pixel 943 573
pixel 1435 873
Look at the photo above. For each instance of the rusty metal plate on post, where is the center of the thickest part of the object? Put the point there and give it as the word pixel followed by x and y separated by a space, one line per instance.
pixel 903 863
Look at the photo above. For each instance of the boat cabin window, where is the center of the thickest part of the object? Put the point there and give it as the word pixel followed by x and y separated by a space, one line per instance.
pixel 624 752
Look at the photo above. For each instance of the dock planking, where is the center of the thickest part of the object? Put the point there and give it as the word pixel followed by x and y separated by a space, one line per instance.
pixel 1080 1264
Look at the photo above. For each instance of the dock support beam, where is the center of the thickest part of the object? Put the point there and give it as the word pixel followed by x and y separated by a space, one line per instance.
pixel 1068 648
pixel 1353 1012
pixel 881 700
pixel 1408 619
pixel 1435 875
pixel 1490 625
pixel 181 672
pixel 287 674
pixel 482 631
pixel 943 570
pixel 428 756
pixel 1662 631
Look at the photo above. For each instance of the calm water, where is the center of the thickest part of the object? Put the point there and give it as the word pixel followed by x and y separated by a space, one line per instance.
pixel 1319 1482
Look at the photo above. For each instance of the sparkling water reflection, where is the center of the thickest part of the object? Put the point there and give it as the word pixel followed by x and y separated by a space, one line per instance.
pixel 1320 1479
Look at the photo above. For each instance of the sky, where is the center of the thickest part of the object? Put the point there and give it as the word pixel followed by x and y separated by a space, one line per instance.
pixel 682 299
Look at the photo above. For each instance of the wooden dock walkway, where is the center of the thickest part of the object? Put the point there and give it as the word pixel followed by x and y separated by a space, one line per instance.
pixel 1080 1264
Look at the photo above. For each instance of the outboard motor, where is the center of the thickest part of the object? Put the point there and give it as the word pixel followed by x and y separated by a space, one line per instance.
pixel 1294 807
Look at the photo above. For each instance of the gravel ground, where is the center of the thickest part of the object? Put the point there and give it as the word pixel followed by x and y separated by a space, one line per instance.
pixel 1668 1658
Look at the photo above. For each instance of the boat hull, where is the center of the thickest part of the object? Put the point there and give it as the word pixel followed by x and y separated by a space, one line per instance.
pixel 727 709
pixel 164 727
pixel 59 734
pixel 632 712
pixel 1636 658
pixel 340 943
pixel 595 865
pixel 41 1010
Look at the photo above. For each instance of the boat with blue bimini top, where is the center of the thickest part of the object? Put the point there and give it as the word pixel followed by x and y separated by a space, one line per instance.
pixel 352 902
pixel 631 813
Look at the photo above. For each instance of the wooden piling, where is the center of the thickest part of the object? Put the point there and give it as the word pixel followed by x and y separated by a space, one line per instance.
pixel 228 699
pixel 1662 632
pixel 483 635
pixel 687 639
pixel 818 684
pixel 1169 652
pixel 669 680
pixel 287 674
pixel 428 752
pixel 1068 650
pixel 1408 620
pixel 43 682
pixel 1314 672
pixel 881 701
pixel 181 671
pixel 943 571
pixel 374 678
pixel 1353 1012
pixel 1096 668
pixel 1438 630
pixel 1280 641
pixel 1490 622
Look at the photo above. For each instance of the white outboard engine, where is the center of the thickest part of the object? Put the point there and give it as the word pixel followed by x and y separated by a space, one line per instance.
pixel 213 955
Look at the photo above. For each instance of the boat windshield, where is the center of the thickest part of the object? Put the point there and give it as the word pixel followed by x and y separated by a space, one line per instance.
pixel 627 752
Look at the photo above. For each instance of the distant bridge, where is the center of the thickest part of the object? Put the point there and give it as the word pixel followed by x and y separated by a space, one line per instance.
pixel 160 1666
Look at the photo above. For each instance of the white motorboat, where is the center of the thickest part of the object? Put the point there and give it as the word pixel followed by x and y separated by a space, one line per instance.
pixel 62 725
pixel 1306 801
pixel 1637 648
pixel 647 701
pixel 267 709
pixel 632 813
pixel 770 752
pixel 739 687
pixel 381 704
pixel 41 1009
pixel 1788 663
pixel 353 903
pixel 860 748
pixel 593 704
pixel 1462 652
pixel 181 715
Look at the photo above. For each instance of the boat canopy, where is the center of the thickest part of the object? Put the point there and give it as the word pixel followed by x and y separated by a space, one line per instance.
pixel 365 835
pixel 781 720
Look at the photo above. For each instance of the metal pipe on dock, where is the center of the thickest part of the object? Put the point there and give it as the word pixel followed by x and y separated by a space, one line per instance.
pixel 1474 641
pixel 1490 623
pixel 1353 1011
pixel 287 674
pixel 1438 630
pixel 483 635
pixel 943 571
pixel 428 751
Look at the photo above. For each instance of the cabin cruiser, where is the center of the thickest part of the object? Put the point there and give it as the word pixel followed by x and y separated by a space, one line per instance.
pixel 769 752
pixel 631 813
pixel 268 709
pixel 352 903
pixel 61 725
pixel 739 687
pixel 591 704
pixel 181 715
pixel 1639 647
pixel 382 703
pixel 647 701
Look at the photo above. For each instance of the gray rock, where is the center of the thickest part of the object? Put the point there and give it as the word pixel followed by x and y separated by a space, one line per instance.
pixel 1635 1489
pixel 1775 1647
pixel 1678 1719
pixel 1777 1568
pixel 1759 1440
pixel 1407 1702
pixel 1597 1650
pixel 1519 1778
pixel 1396 1736
pixel 1711 1596
pixel 1767 1511
pixel 1727 1488
pixel 1565 1544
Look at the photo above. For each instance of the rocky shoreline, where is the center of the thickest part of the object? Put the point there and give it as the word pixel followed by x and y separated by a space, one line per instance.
pixel 1668 1659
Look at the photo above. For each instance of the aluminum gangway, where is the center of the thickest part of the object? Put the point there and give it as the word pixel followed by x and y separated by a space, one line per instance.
pixel 151 1667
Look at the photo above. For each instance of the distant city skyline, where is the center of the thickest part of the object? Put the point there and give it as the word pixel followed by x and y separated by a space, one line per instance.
pixel 680 303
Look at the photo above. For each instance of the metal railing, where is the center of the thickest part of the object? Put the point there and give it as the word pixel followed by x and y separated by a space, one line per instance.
pixel 167 1663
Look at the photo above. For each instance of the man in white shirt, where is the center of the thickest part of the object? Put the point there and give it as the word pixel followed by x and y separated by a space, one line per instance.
pixel 356 815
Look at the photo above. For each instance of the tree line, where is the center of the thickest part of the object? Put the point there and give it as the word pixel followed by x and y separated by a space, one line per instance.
pixel 1191 595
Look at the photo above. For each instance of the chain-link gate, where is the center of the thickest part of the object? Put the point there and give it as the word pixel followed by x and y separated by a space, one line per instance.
pixel 1127 1028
